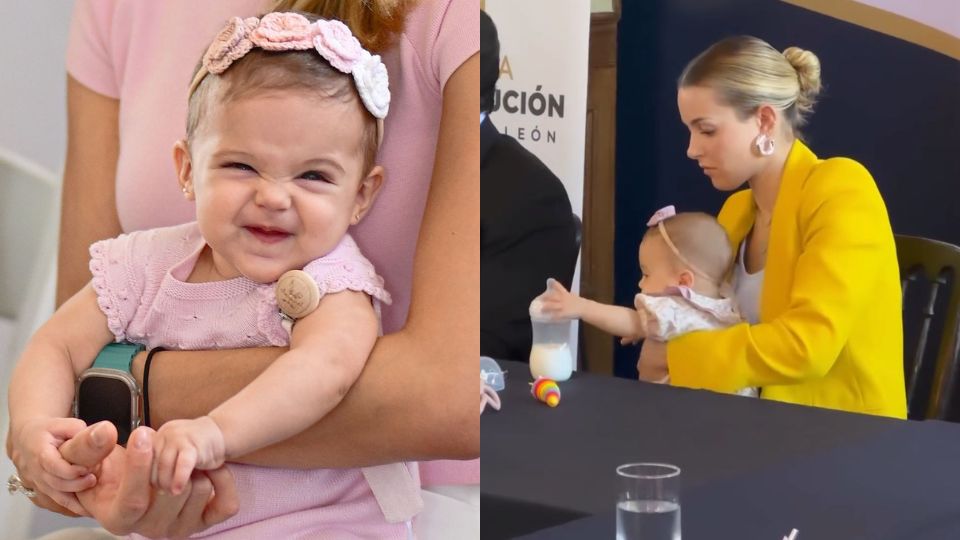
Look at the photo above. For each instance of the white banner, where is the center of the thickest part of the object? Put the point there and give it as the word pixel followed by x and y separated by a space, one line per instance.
pixel 541 96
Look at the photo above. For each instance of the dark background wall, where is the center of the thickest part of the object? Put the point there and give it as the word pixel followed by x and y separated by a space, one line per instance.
pixel 891 105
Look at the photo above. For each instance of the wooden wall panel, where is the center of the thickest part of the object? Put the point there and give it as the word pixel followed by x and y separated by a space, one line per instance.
pixel 596 281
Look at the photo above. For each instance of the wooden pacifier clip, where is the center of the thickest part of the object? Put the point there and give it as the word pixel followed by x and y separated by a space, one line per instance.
pixel 297 296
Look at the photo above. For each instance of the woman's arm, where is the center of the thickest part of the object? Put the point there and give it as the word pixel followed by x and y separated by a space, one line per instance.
pixel 416 397
pixel 89 208
pixel 847 247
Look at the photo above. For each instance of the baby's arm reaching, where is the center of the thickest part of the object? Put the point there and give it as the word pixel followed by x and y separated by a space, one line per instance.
pixel 41 395
pixel 616 320
pixel 328 350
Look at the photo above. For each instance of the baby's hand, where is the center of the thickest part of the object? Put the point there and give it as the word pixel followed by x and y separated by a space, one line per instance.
pixel 640 332
pixel 183 445
pixel 559 303
pixel 37 457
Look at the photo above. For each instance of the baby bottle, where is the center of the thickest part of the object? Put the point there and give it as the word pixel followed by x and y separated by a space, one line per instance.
pixel 550 355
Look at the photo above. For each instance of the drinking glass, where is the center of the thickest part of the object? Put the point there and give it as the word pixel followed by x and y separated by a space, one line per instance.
pixel 648 507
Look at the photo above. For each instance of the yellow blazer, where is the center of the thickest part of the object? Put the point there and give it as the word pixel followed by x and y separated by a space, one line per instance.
pixel 831 329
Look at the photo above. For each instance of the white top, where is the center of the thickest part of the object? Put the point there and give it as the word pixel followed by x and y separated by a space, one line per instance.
pixel 681 310
pixel 746 289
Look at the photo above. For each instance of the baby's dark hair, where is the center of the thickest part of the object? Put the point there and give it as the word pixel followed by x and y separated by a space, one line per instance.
pixel 260 72
pixel 701 240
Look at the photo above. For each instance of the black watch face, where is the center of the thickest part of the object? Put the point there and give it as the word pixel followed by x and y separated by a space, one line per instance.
pixel 100 398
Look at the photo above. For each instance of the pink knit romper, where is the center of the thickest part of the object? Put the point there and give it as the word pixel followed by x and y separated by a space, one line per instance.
pixel 140 281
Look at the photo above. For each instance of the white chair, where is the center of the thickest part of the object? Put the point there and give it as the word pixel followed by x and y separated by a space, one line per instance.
pixel 29 217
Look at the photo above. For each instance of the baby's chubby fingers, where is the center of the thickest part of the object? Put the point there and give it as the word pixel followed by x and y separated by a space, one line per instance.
pixel 60 475
pixel 158 445
pixel 555 286
pixel 69 486
pixel 54 465
pixel 166 460
pixel 186 461
pixel 66 428
pixel 70 502
pixel 551 306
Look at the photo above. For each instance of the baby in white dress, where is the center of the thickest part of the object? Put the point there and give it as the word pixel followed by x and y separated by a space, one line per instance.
pixel 685 260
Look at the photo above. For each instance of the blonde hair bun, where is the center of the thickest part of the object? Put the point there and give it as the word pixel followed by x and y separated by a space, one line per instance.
pixel 807 66
pixel 747 73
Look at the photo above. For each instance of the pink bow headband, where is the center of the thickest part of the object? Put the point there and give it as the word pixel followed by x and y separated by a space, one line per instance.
pixel 657 220
pixel 293 32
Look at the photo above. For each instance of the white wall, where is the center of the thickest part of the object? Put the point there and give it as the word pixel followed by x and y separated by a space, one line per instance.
pixel 601 5
pixel 940 14
pixel 33 39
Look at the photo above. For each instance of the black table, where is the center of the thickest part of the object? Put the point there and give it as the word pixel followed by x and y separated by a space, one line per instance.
pixel 751 468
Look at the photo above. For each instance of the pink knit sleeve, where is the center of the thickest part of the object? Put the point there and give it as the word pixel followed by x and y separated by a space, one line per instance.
pixel 345 268
pixel 89 53
pixel 118 278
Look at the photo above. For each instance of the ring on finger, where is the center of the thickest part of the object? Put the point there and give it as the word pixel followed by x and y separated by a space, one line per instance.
pixel 15 484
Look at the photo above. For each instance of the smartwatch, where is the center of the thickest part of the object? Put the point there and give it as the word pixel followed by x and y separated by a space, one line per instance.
pixel 108 391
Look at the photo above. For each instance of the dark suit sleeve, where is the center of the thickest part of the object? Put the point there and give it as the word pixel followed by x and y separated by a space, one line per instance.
pixel 527 234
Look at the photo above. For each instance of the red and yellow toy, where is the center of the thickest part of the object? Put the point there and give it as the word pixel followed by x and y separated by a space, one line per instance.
pixel 546 390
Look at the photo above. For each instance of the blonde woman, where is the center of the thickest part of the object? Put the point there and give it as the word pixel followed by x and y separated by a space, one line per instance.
pixel 816 271
pixel 127 89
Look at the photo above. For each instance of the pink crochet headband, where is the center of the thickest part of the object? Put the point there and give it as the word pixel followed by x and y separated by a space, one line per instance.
pixel 294 32
pixel 657 220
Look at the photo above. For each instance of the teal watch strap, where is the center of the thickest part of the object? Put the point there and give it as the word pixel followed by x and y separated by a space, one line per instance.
pixel 117 356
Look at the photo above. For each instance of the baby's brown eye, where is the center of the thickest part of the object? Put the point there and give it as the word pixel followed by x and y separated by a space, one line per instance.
pixel 239 166
pixel 314 175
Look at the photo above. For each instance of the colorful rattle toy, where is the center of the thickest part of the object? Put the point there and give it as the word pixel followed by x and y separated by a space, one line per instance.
pixel 546 390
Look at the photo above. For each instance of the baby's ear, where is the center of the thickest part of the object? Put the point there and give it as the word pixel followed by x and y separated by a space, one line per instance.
pixel 184 166
pixel 686 279
pixel 367 193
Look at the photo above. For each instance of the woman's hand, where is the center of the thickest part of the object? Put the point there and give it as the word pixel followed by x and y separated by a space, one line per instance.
pixel 124 502
pixel 652 364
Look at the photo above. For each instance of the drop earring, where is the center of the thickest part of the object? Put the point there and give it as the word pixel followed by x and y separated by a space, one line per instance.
pixel 764 144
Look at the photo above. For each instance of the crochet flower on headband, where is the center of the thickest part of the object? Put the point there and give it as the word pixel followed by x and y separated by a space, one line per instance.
pixel 294 32
pixel 283 32
pixel 230 44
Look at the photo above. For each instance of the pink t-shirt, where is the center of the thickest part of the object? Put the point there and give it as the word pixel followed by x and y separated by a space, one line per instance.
pixel 143 53
pixel 140 281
